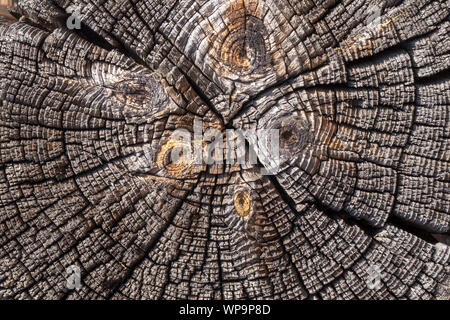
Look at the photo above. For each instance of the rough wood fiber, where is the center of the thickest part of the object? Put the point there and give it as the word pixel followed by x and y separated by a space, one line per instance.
pixel 85 124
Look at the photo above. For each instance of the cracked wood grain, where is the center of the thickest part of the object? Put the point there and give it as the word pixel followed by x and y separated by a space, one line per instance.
pixel 86 118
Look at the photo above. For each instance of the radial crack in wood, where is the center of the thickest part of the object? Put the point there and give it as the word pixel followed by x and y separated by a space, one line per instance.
pixel 91 118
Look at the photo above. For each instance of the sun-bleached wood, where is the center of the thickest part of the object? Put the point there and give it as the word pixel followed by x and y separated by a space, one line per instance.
pixel 86 179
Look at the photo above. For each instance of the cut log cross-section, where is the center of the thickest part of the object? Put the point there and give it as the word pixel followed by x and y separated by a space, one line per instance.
pixel 359 92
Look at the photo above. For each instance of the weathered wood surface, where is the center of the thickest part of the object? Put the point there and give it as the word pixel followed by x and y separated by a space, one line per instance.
pixel 85 117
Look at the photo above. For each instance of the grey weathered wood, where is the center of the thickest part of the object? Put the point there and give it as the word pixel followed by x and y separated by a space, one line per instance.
pixel 85 121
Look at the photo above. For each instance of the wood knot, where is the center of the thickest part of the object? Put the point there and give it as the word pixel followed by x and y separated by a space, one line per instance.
pixel 174 159
pixel 242 203
pixel 295 132
pixel 288 136
pixel 242 47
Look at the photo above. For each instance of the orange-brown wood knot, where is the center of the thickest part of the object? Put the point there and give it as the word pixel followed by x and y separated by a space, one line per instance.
pixel 243 46
pixel 177 168
pixel 242 203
